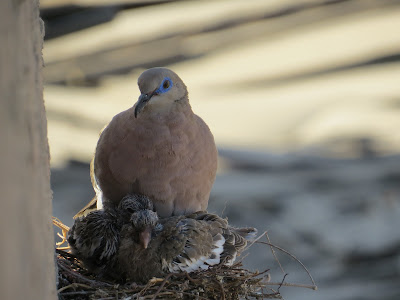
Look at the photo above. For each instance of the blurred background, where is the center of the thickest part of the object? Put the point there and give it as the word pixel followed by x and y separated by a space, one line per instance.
pixel 303 98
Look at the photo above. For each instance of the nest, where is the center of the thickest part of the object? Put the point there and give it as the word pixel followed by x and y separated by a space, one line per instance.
pixel 218 282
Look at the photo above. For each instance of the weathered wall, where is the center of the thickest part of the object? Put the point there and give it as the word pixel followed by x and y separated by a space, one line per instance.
pixel 26 239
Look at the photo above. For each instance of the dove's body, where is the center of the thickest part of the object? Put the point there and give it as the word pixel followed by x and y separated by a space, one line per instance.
pixel 158 157
pixel 158 148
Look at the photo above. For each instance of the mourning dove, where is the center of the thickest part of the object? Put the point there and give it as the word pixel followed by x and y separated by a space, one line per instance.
pixel 149 246
pixel 95 239
pixel 158 148
pixel 152 247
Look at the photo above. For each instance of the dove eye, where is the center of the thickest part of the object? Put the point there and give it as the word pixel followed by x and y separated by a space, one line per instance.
pixel 166 84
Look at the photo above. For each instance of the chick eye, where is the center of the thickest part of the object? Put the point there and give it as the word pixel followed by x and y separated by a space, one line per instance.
pixel 130 210
pixel 166 84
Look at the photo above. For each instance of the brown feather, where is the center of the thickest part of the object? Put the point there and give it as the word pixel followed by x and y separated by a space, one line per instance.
pixel 167 154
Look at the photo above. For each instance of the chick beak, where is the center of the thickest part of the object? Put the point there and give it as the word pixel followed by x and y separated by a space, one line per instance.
pixel 145 237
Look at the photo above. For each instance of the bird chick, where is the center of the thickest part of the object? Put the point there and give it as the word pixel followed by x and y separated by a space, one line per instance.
pixel 151 247
pixel 131 243
pixel 94 239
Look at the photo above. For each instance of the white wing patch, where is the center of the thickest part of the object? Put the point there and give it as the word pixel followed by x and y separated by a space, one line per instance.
pixel 190 264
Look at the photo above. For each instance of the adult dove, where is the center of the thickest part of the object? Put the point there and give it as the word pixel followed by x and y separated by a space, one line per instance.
pixel 158 148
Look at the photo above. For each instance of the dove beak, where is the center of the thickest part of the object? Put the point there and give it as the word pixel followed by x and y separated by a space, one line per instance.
pixel 145 237
pixel 142 101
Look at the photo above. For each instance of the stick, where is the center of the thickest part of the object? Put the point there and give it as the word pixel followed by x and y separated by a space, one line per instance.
pixel 92 283
pixel 307 286
pixel 292 256
pixel 162 285
pixel 74 285
pixel 274 254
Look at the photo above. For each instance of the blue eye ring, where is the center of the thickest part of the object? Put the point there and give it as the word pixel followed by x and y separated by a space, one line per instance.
pixel 165 86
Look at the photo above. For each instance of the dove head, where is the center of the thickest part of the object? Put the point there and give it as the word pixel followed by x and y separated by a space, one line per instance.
pixel 144 221
pixel 161 89
pixel 132 203
pixel 140 211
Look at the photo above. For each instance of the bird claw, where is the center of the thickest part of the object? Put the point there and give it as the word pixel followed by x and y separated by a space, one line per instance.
pixel 155 280
pixel 64 229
